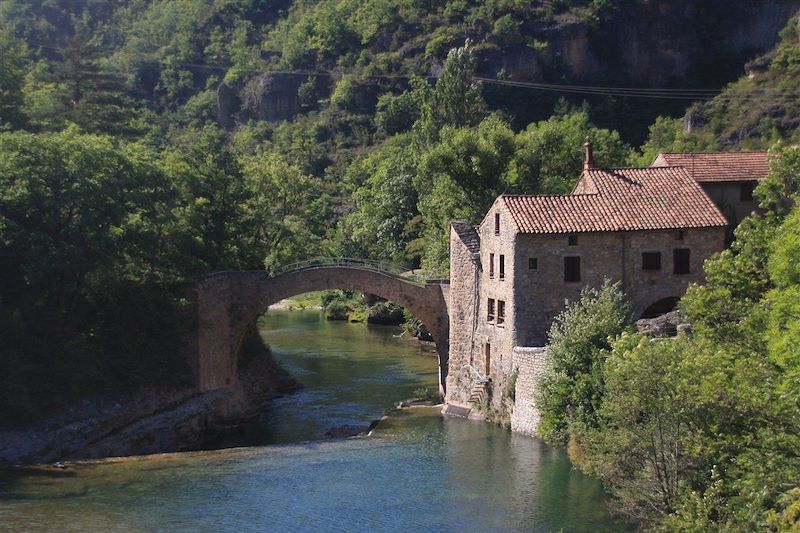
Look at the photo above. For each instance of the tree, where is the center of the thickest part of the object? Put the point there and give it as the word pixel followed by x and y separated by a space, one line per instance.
pixel 669 135
pixel 549 154
pixel 638 446
pixel 569 391
pixel 86 236
pixel 455 99
pixel 780 191
pixel 13 68
pixel 285 211
pixel 458 178
pixel 70 207
pixel 396 113
pixel 211 210
pixel 385 220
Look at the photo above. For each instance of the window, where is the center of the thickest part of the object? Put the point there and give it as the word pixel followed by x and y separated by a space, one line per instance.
pixel 490 310
pixel 680 259
pixel 679 235
pixel 497 223
pixel 487 359
pixel 533 263
pixel 491 265
pixel 572 269
pixel 572 240
pixel 651 260
pixel 501 311
pixel 746 191
pixel 502 266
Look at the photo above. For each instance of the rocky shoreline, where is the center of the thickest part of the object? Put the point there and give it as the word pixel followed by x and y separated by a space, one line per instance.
pixel 149 421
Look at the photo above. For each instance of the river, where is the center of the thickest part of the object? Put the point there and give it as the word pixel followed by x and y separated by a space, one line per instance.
pixel 416 472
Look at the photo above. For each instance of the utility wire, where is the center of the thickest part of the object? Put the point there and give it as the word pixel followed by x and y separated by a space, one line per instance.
pixel 753 95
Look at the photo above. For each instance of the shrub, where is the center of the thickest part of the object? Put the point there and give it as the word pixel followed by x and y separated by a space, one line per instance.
pixel 570 389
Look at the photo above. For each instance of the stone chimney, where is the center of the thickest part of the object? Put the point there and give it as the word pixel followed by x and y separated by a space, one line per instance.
pixel 588 159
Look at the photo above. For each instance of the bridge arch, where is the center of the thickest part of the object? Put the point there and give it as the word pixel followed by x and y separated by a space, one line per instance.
pixel 229 302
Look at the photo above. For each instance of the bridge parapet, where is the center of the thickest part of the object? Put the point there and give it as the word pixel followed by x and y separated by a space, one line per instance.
pixel 348 262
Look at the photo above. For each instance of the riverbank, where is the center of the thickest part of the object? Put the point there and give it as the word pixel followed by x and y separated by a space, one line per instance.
pixel 151 420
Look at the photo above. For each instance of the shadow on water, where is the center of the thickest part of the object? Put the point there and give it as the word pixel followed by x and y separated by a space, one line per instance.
pixel 351 374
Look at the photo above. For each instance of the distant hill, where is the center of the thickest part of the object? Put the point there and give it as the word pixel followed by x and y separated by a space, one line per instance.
pixel 235 60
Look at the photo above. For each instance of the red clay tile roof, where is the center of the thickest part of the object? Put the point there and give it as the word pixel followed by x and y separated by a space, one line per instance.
pixel 719 166
pixel 626 199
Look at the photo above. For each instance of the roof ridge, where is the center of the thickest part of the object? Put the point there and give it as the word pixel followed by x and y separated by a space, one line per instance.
pixel 636 168
pixel 720 152
pixel 567 195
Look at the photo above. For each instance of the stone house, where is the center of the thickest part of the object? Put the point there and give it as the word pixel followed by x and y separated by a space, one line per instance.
pixel 648 228
pixel 728 178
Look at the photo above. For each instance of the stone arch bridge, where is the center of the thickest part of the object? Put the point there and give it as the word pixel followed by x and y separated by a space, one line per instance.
pixel 229 302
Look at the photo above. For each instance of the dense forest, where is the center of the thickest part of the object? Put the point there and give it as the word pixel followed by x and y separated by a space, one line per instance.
pixel 146 143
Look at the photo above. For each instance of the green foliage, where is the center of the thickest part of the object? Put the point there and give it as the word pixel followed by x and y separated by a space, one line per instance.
pixel 455 99
pixel 779 192
pixel 549 154
pixel 396 113
pixel 569 391
pixel 343 94
pixel 670 135
pixel 344 305
pixel 285 212
pixel 85 249
pixel 697 433
pixel 459 178
pixel 637 448
pixel 13 69
pixel 385 216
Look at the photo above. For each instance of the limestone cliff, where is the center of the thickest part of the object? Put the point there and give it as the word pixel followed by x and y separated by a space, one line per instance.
pixel 643 43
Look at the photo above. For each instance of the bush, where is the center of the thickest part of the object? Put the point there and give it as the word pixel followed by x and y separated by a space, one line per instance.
pixel 570 389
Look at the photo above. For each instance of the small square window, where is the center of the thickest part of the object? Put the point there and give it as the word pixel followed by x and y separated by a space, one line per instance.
pixel 572 240
pixel 679 235
pixel 651 260
pixel 680 258
pixel 497 223
pixel 490 310
pixel 572 269
pixel 746 191
pixel 533 263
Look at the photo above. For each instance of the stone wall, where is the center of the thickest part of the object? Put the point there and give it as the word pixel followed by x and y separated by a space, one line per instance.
pixel 500 338
pixel 727 196
pixel 462 310
pixel 541 292
pixel 529 362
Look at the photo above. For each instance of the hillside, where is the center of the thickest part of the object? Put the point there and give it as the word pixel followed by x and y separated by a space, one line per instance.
pixel 145 143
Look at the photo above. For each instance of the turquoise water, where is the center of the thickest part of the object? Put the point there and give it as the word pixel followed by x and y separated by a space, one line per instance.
pixel 417 472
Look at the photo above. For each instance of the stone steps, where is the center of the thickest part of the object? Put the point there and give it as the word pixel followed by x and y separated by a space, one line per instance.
pixel 478 392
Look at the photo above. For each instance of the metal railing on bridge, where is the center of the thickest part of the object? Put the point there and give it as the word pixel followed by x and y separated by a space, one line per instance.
pixel 349 262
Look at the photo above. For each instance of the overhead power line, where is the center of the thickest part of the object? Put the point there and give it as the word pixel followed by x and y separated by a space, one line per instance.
pixel 664 93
